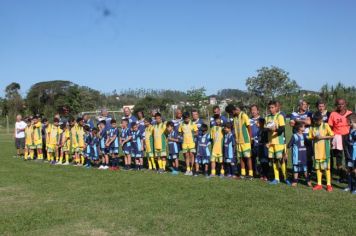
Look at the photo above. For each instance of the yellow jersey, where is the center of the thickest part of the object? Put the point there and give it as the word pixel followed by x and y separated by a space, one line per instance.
pixel 160 140
pixel 217 136
pixel 53 136
pixel 149 139
pixel 29 135
pixel 241 123
pixel 37 133
pixel 276 120
pixel 321 147
pixel 188 131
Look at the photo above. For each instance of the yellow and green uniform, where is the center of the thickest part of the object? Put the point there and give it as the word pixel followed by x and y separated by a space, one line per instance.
pixel 188 131
pixel 160 140
pixel 243 140
pixel 217 136
pixel 321 147
pixel 37 135
pixel 65 140
pixel 276 142
pixel 79 137
pixel 29 137
pixel 73 139
pixel 53 136
pixel 149 145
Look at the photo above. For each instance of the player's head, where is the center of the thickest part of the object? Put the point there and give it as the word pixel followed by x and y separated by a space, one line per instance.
pixel 18 118
pixel 102 124
pixel 94 131
pixel 80 121
pixel 303 105
pixel 56 121
pixel 170 126
pixel 217 119
pixel 317 118
pixel 272 107
pixel 148 121
pixel 45 122
pixel 254 110
pixel 230 109
pixel 186 117
pixel 195 114
pixel 179 113
pixel 320 105
pixel 86 128
pixel 158 117
pixel 113 123
pixel 124 123
pixel 63 126
pixel 140 114
pixel 299 127
pixel 340 104
pixel 204 128
pixel 227 127
pixel 35 119
pixel 216 110
pixel 134 126
pixel 261 122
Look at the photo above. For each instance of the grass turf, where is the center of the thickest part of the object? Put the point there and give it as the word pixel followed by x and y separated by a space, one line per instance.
pixel 40 199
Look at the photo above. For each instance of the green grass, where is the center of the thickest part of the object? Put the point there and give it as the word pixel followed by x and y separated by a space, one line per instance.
pixel 39 199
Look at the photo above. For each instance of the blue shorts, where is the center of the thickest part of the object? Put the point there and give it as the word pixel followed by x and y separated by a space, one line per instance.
pixel 229 159
pixel 104 151
pixel 114 150
pixel 136 154
pixel 126 150
pixel 172 156
pixel 203 160
pixel 94 157
pixel 300 168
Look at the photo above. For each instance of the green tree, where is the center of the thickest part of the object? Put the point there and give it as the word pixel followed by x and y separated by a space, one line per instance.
pixel 13 103
pixel 196 97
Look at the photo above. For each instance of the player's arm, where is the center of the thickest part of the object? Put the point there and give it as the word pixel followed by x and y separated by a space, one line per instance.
pixel 291 142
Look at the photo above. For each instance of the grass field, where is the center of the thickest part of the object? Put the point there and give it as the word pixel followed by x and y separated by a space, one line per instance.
pixel 39 199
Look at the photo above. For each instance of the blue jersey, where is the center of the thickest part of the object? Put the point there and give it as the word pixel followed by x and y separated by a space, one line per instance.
pixel 141 125
pixel 352 144
pixel 229 142
pixel 255 130
pixel 173 145
pixel 204 142
pixel 130 119
pixel 110 134
pixel 299 150
pixel 103 138
pixel 137 144
pixel 92 145
pixel 199 123
pixel 301 116
pixel 224 120
pixel 125 134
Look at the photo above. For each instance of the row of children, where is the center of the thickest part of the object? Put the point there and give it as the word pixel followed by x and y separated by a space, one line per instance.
pixel 211 151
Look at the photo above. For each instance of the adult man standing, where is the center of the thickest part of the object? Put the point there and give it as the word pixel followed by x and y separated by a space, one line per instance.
pixel 127 115
pixel 255 129
pixel 104 115
pixel 339 125
pixel 217 111
pixel 87 121
pixel 321 107
pixel 19 135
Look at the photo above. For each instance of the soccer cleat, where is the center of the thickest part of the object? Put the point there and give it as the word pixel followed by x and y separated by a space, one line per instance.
pixel 190 173
pixel 274 182
pixel 207 176
pixel 186 173
pixel 58 163
pixel 211 176
pixel 195 175
pixel 221 176
pixel 242 177
pixel 174 172
pixel 101 167
pixel 229 176
pixel 329 188
pixel 347 189
pixel 288 182
pixel 317 187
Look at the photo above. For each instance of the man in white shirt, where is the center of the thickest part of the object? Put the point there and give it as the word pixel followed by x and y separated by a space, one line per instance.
pixel 19 135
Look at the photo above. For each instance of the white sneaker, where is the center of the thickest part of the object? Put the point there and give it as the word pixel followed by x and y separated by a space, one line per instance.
pixel 66 163
pixel 186 173
pixel 190 173
pixel 101 167
pixel 105 167
pixel 59 163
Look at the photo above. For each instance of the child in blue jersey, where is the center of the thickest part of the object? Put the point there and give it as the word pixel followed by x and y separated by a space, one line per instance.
pixel 104 151
pixel 299 153
pixel 262 140
pixel 352 150
pixel 229 147
pixel 112 142
pixel 141 121
pixel 125 142
pixel 203 151
pixel 137 145
pixel 86 149
pixel 91 147
pixel 173 147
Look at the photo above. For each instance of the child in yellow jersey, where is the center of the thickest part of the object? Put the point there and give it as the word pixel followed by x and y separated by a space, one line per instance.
pixel 79 136
pixel 320 133
pixel 29 145
pixel 64 144
pixel 37 137
pixel 72 137
pixel 148 144
pixel 276 143
pixel 188 130
pixel 53 134
pixel 217 136
pixel 160 142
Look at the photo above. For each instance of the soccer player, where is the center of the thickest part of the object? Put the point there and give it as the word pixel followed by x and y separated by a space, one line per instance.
pixel 276 141
pixel 242 132
pixel 229 147
pixel 160 142
pixel 64 144
pixel 217 136
pixel 79 136
pixel 29 145
pixel 53 135
pixel 299 154
pixel 104 151
pixel 141 121
pixel 87 146
pixel 149 144
pixel 137 146
pixel 129 117
pixel 217 111
pixel 255 128
pixel 320 133
pixel 37 137
pixel 203 151
pixel 188 130
pixel 112 143
pixel 262 149
pixel 125 142
pixel 352 150
pixel 172 138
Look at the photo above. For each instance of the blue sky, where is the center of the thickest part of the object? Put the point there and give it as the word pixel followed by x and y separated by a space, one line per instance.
pixel 175 44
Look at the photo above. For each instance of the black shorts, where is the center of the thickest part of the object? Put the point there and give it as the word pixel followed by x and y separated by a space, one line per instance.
pixel 20 143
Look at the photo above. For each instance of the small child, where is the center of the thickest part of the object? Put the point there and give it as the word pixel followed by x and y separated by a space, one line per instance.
pixel 352 150
pixel 79 136
pixel 173 143
pixel 148 144
pixel 217 137
pixel 29 145
pixel 203 151
pixel 160 142
pixel 37 136
pixel 53 134
pixel 299 153
pixel 320 133
pixel 92 147
pixel 137 145
pixel 229 147
pixel 64 144
pixel 125 142
pixel 262 149
pixel 112 143
pixel 87 146
pixel 104 151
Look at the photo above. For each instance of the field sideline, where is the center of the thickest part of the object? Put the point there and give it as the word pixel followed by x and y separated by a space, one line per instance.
pixel 39 199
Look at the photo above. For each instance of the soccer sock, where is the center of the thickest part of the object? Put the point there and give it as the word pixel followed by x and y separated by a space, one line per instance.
pixel 82 159
pixel 149 164
pixel 318 176
pixel 276 171
pixel 284 170
pixel 243 172
pixel 61 158
pixel 250 173
pixel 67 157
pixel 159 163
pixel 26 155
pixel 164 162
pixel 188 168
pixel 228 169
pixel 265 168
pixel 222 170
pixel 40 156
pixel 328 177
pixel 153 162
pixel 213 172
pixel 32 153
